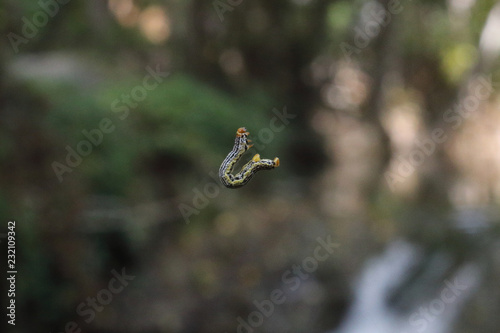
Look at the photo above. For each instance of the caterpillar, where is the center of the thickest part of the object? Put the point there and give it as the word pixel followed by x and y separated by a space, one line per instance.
pixel 248 170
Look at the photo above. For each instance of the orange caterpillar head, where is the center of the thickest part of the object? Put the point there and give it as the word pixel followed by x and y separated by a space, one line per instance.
pixel 241 131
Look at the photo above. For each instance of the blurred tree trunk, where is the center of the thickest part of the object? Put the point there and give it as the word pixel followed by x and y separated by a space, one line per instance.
pixel 387 60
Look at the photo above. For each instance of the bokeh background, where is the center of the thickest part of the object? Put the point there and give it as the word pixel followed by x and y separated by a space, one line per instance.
pixel 384 115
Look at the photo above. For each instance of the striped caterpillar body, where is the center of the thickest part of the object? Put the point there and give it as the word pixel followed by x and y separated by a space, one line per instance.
pixel 248 170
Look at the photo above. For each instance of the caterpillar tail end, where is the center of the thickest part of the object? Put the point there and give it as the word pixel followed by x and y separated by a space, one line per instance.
pixel 276 162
